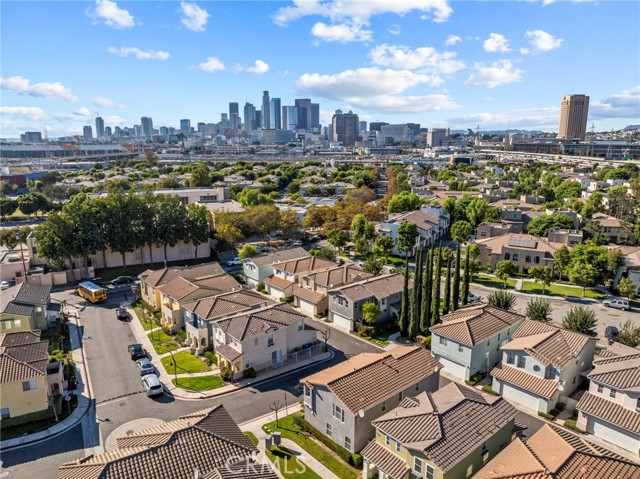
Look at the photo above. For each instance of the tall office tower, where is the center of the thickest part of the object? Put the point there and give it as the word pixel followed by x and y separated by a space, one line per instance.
pixel 137 130
pixel 164 131
pixel 289 118
pixel 224 117
pixel 258 119
pixel 99 127
pixel 436 136
pixel 266 108
pixel 362 126
pixel 233 108
pixel 118 132
pixel 344 128
pixel 376 125
pixel 87 132
pixel 414 128
pixel 234 121
pixel 147 125
pixel 315 117
pixel 249 117
pixel 185 126
pixel 304 113
pixel 107 131
pixel 574 110
pixel 200 126
pixel 275 110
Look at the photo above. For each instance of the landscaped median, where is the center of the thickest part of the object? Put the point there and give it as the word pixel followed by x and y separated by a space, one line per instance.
pixel 492 281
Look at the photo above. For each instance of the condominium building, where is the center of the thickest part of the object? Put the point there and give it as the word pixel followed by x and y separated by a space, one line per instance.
pixel 574 110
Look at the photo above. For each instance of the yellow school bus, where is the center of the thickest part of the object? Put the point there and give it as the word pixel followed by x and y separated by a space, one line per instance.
pixel 91 292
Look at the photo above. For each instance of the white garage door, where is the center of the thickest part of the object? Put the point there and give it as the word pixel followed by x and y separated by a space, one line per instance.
pixel 306 306
pixel 522 397
pixel 611 434
pixel 455 369
pixel 342 321
pixel 274 293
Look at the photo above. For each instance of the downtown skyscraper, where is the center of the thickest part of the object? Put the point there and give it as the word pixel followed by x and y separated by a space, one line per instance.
pixel 275 112
pixel 99 127
pixel 249 117
pixel 266 109
pixel 574 110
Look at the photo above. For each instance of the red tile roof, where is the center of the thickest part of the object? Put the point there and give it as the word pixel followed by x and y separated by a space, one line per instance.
pixel 517 377
pixel 592 405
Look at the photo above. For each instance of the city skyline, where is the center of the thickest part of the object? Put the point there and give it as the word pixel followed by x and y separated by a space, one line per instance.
pixel 427 61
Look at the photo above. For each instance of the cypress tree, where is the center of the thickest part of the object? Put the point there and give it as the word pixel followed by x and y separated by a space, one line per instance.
pixel 456 282
pixel 435 302
pixel 467 277
pixel 403 321
pixel 447 289
pixel 416 294
pixel 427 278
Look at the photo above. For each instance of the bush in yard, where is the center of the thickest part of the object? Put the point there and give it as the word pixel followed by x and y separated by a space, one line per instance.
pixel 260 287
pixel 488 389
pixel 356 460
pixel 226 374
pixel 581 320
pixel 502 299
pixel 539 309
pixel 545 415
pixel 426 342
pixel 571 424
pixel 249 373
pixel 211 357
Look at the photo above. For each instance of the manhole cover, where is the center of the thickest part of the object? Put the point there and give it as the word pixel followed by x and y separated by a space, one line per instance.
pixel 123 403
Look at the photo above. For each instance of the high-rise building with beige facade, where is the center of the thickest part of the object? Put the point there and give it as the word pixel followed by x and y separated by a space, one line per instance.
pixel 574 110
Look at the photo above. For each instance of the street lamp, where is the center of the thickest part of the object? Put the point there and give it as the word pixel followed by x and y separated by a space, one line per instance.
pixel 175 367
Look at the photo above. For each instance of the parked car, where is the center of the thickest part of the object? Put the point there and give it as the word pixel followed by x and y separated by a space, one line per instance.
pixel 152 385
pixel 234 262
pixel 137 351
pixel 473 298
pixel 297 243
pixel 618 303
pixel 122 280
pixel 145 367
pixel 4 285
pixel 122 314
pixel 611 333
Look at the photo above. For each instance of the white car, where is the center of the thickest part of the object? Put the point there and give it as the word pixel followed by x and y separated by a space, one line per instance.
pixel 473 298
pixel 4 285
pixel 618 303
pixel 234 262
pixel 297 243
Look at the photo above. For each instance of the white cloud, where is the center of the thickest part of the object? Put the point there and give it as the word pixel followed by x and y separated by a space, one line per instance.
pixel 115 120
pixel 493 75
pixel 625 104
pixel 81 114
pixel 139 54
pixel 452 40
pixel 259 67
pixel 103 102
pixel 28 112
pixel 194 17
pixel 496 43
pixel 547 2
pixel 395 29
pixel 19 84
pixel 342 33
pixel 405 104
pixel 524 51
pixel 112 14
pixel 543 41
pixel 501 121
pixel 211 65
pixel 426 59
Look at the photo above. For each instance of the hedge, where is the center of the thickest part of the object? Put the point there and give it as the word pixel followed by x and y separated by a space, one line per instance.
pixel 571 424
pixel 545 415
pixel 488 389
pixel 339 450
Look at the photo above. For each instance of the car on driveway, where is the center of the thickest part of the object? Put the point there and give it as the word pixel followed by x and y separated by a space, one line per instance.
pixel 145 367
pixel 234 262
pixel 4 285
pixel 152 385
pixel 122 280
pixel 137 351
pixel 618 303
pixel 122 314
pixel 611 333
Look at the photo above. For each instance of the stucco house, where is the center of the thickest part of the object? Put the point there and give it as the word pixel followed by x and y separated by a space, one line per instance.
pixel 521 249
pixel 610 409
pixel 286 274
pixel 468 340
pixel 447 434
pixel 541 363
pixel 259 268
pixel 343 400
pixel 24 307
pixel 432 222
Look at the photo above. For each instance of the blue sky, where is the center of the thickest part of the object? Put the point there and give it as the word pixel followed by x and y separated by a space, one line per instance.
pixel 503 64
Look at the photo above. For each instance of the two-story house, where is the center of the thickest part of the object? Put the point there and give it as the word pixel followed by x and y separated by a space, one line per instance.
pixel 260 338
pixel 287 273
pixel 541 363
pixel 432 222
pixel 468 340
pixel 345 303
pixel 180 291
pixel 610 409
pixel 259 268
pixel 343 400
pixel 611 227
pixel 311 292
pixel 199 315
pixel 555 453
pixel 446 434
pixel 522 250
pixel 23 307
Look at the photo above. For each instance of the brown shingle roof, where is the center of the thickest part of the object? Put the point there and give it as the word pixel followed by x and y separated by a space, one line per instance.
pixel 303 265
pixel 553 453
pixel 475 324
pixel 378 287
pixel 537 385
pixel 163 276
pixel 307 294
pixel 278 282
pixel 215 307
pixel 228 352
pixel 385 460
pixel 614 413
pixel 338 275
pixel 279 256
pixel 256 323
pixel 22 356
pixel 367 379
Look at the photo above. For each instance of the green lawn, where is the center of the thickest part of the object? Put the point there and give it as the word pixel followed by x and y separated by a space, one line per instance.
pixel 289 465
pixel 492 281
pixel 251 436
pixel 561 290
pixel 162 342
pixel 381 340
pixel 146 324
pixel 187 363
pixel 290 431
pixel 199 383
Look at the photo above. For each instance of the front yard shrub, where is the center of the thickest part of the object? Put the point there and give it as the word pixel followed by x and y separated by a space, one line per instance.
pixel 356 460
pixel 561 406
pixel 571 424
pixel 182 334
pixel 545 415
pixel 226 374
pixel 475 379
pixel 488 389
pixel 426 342
pixel 211 357
pixel 249 373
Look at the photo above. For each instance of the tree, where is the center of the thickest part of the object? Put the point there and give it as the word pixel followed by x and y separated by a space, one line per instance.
pixel 476 211
pixel 407 236
pixel 319 217
pixel 404 201
pixel 383 246
pixel 7 206
pixel 447 289
pixel 337 238
pixel 583 274
pixel 32 203
pixel 172 215
pixel 414 321
pixel 370 313
pixel 435 301
pixel 542 275
pixel 200 175
pixel 288 225
pixel 362 232
pixel 467 277
pixel 626 287
pixel 581 320
pixel 252 197
pixel 326 253
pixel 629 334
pixel 403 320
pixel 502 299
pixel 87 234
pixel 539 309
pixel 118 214
pixel 230 235
pixel 541 225
pixel 561 259
pixel 198 226
pixel 456 282
pixel 461 231
pixel 373 265
pixel 170 182
pixel 247 251
pixel 504 269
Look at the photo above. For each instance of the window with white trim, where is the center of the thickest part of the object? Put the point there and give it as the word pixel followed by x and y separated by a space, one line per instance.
pixel 270 339
pixel 460 348
pixel 328 430
pixel 612 393
pixel 338 412
pixel 347 443
pixel 443 341
pixel 510 357
pixel 431 472
pixel 387 440
pixel 17 323
pixel 417 466
pixel 398 446
pixel 29 385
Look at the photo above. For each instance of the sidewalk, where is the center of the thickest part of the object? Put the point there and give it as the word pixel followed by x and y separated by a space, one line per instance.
pixel 83 391
pixel 167 379
pixel 255 427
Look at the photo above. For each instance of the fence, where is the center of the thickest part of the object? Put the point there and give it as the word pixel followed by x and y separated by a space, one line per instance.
pixel 291 358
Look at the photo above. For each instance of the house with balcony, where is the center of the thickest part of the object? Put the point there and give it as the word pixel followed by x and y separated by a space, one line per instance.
pixel 200 314
pixel 180 291
pixel 286 274
pixel 447 434
pixel 345 302
pixel 25 307
pixel 610 409
pixel 260 338
pixel 311 292
pixel 259 268
pixel 468 340
pixel 541 363
pixel 432 222
pixel 342 401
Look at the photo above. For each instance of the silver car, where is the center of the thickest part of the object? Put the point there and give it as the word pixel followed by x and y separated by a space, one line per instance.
pixel 152 385
pixel 618 303
pixel 145 367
